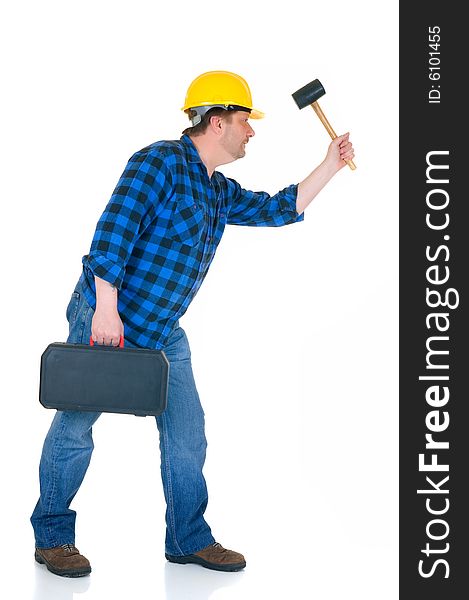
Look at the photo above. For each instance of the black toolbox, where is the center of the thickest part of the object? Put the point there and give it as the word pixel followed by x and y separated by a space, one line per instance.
pixel 104 379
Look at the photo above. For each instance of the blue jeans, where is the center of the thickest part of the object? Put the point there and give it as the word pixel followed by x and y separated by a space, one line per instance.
pixel 69 444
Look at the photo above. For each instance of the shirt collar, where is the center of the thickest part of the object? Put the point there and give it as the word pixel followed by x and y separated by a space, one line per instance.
pixel 191 151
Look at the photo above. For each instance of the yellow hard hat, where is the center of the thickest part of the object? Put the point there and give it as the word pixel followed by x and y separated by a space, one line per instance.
pixel 219 89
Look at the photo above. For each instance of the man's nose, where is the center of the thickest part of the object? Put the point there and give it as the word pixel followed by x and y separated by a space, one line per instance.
pixel 251 132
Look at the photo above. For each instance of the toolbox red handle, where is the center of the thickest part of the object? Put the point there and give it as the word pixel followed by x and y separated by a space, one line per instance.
pixel 121 341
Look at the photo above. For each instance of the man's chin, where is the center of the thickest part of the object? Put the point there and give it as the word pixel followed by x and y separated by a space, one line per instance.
pixel 240 154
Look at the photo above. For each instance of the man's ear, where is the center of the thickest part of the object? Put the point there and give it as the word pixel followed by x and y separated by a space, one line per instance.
pixel 216 124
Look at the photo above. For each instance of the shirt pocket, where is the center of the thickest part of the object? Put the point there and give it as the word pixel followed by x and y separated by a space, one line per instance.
pixel 187 223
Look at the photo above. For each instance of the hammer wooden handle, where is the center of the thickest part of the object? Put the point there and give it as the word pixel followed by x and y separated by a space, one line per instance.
pixel 330 131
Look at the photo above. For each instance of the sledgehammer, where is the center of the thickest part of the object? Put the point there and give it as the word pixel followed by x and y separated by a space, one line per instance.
pixel 310 94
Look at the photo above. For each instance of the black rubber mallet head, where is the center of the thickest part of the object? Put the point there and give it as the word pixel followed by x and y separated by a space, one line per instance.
pixel 309 95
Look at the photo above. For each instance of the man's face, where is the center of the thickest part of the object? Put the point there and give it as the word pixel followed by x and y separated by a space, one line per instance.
pixel 237 133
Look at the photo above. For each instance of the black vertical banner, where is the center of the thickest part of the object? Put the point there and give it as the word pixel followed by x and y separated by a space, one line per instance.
pixel 434 257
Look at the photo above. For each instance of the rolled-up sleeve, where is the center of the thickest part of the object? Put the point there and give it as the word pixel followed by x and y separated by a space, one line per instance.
pixel 140 194
pixel 260 208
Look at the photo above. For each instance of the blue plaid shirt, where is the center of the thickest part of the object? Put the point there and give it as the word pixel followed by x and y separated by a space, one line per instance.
pixel 159 232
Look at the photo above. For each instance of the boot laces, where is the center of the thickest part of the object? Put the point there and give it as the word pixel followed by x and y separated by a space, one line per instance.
pixel 68 547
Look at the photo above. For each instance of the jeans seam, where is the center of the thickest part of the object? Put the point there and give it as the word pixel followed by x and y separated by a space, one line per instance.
pixel 167 467
pixel 56 449
pixel 82 327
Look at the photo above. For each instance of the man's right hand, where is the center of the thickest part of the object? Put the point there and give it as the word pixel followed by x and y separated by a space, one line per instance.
pixel 106 326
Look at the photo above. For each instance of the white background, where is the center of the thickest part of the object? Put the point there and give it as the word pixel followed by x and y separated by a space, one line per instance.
pixel 294 333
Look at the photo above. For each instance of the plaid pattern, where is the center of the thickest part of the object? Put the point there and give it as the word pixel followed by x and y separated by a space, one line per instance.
pixel 158 234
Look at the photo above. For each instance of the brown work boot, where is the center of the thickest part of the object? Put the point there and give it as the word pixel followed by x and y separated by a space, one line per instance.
pixel 212 557
pixel 64 560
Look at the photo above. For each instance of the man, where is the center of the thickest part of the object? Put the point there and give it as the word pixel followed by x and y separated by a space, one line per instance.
pixel 151 250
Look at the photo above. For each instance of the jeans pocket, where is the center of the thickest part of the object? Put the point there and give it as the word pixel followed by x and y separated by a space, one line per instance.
pixel 177 346
pixel 80 317
pixel 72 308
